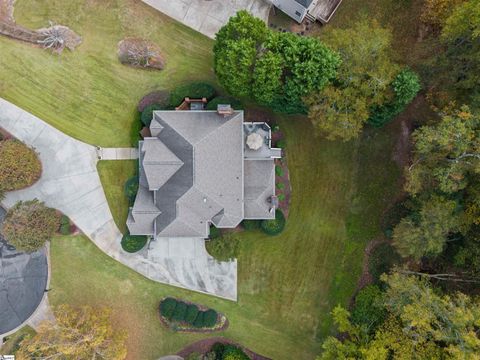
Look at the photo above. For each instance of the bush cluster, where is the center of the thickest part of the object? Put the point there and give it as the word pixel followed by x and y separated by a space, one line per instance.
pixel 147 113
pixel 29 225
pixel 234 103
pixel 64 225
pixel 180 312
pixel 131 188
pixel 275 226
pixel 251 224
pixel 228 352
pixel 133 243
pixel 223 248
pixel 19 165
pixel 196 90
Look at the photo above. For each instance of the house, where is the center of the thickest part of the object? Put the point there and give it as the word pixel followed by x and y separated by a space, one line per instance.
pixel 313 10
pixel 200 168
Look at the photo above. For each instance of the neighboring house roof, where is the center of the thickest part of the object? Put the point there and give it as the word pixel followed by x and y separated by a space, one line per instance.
pixel 305 3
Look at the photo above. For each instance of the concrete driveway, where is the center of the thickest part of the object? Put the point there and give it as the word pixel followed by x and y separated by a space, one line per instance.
pixel 71 184
pixel 208 16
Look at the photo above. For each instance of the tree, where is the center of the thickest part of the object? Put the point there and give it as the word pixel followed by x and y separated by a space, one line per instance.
pixel 420 324
pixel 29 225
pixel 84 333
pixel 19 165
pixel 436 12
pixel 429 234
pixel 445 154
pixel 461 61
pixel 276 69
pixel 364 80
pixel 369 311
pixel 338 114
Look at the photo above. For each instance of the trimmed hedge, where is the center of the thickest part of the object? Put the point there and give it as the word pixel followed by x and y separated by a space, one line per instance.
pixel 64 225
pixel 235 103
pixel 214 232
pixel 180 312
pixel 147 113
pixel 191 314
pixel 279 171
pixel 276 226
pixel 167 307
pixel 196 90
pixel 133 243
pixel 130 189
pixel 251 224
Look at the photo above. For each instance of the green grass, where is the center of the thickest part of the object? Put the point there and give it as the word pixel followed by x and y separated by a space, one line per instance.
pixel 87 93
pixel 288 284
pixel 113 175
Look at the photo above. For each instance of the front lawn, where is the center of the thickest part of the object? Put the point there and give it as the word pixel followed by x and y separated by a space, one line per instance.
pixel 288 284
pixel 87 93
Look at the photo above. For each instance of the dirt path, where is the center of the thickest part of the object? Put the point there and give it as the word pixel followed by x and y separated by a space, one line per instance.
pixel 204 346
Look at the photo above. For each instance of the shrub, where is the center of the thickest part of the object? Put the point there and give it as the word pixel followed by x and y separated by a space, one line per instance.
pixel 369 311
pixel 196 90
pixel 279 170
pixel 179 312
pixel 236 104
pixel 234 353
pixel 154 98
pixel 275 226
pixel 131 188
pixel 29 225
pixel 281 197
pixel 251 224
pixel 167 307
pixel 198 323
pixel 280 186
pixel 192 313
pixel 210 318
pixel 19 165
pixel 381 260
pixel 223 248
pixel 214 232
pixel 281 144
pixel 133 243
pixel 219 350
pixel 64 225
pixel 392 217
pixel 147 113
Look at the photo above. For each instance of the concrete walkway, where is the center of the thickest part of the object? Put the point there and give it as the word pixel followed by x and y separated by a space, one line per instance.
pixel 208 16
pixel 117 153
pixel 70 183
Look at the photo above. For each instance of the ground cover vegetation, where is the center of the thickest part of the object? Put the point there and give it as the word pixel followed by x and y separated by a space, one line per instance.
pixel 90 86
pixel 334 213
pixel 78 333
pixel 29 225
pixel 20 166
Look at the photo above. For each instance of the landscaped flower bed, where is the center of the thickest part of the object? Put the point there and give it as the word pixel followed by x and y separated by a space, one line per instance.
pixel 180 315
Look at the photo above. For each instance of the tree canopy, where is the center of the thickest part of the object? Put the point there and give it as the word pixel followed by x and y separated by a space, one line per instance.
pixel 275 69
pixel 29 225
pixel 420 323
pixel 84 334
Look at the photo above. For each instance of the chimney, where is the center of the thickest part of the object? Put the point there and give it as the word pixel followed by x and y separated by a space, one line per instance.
pixel 224 109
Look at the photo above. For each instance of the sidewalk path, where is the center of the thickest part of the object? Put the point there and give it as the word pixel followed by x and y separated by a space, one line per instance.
pixel 207 17
pixel 117 153
pixel 70 183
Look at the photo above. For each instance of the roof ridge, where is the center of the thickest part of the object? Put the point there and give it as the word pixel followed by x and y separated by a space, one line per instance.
pixel 217 129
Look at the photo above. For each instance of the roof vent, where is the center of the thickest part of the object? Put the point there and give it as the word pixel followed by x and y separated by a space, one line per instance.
pixel 224 109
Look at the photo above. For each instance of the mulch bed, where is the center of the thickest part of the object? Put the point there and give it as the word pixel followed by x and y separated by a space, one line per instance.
pixel 171 326
pixel 134 51
pixel 204 346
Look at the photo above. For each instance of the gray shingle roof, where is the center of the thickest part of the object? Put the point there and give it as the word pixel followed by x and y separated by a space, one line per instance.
pixel 305 3
pixel 196 162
